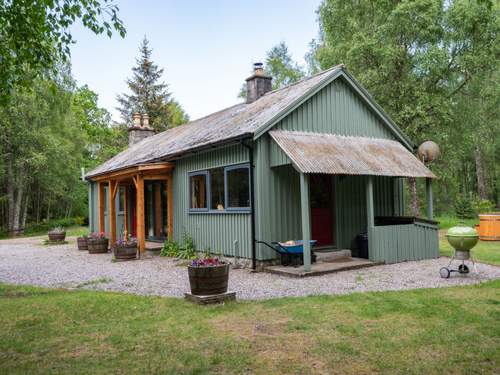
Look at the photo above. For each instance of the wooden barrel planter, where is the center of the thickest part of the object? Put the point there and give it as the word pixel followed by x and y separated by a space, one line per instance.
pixel 97 245
pixel 125 252
pixel 82 243
pixel 489 227
pixel 207 281
pixel 57 236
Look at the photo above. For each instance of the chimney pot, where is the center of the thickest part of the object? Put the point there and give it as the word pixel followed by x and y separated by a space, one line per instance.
pixel 136 119
pixel 145 120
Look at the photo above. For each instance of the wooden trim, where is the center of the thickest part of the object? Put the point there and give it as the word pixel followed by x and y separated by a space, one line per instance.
pixel 155 168
pixel 112 211
pixel 100 205
pixel 134 179
pixel 170 206
pixel 162 177
pixel 141 232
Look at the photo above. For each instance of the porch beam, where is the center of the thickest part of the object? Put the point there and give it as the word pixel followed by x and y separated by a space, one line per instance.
pixel 100 206
pixel 370 218
pixel 306 221
pixel 170 206
pixel 112 211
pixel 141 233
pixel 428 186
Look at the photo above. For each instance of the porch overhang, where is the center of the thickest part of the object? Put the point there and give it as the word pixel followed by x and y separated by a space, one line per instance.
pixel 341 155
pixel 150 169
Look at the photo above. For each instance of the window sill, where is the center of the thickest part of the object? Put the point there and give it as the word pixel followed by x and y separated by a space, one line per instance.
pixel 220 212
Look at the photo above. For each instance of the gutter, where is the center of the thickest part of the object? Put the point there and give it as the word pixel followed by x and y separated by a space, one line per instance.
pixel 249 147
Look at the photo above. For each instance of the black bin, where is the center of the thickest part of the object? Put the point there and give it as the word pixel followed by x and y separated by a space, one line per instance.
pixel 362 241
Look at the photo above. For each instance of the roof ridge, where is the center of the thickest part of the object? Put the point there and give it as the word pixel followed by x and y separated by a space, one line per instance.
pixel 335 67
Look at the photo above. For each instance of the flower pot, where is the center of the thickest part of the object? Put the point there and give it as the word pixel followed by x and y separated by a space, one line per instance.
pixel 97 245
pixel 82 243
pixel 57 236
pixel 206 281
pixel 125 252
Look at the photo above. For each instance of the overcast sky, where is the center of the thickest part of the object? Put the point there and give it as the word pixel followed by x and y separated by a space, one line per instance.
pixel 205 47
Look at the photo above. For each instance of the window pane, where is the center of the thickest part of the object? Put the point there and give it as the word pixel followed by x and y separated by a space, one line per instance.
pixel 217 189
pixel 121 199
pixel 238 192
pixel 198 194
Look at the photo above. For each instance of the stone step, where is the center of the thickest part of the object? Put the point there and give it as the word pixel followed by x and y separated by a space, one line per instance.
pixel 331 256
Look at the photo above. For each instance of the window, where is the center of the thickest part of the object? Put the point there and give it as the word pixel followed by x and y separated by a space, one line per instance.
pixel 238 187
pixel 198 191
pixel 220 189
pixel 121 199
pixel 217 189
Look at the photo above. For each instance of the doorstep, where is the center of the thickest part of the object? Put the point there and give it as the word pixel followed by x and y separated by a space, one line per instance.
pixel 322 268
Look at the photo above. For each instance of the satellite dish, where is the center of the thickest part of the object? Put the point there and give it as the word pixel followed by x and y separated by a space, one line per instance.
pixel 428 151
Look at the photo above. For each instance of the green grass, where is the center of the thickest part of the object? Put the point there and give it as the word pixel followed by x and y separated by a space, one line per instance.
pixel 446 222
pixel 433 331
pixel 74 230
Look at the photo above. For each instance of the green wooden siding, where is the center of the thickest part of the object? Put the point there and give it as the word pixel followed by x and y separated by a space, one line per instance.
pixel 399 243
pixel 93 220
pixel 226 233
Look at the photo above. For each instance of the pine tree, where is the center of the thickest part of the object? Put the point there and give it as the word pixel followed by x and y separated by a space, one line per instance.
pixel 149 94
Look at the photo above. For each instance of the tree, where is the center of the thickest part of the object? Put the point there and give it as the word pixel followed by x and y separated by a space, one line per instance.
pixel 34 35
pixel 280 65
pixel 149 94
pixel 415 58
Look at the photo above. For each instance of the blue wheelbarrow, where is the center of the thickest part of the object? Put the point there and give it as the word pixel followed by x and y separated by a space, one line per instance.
pixel 291 254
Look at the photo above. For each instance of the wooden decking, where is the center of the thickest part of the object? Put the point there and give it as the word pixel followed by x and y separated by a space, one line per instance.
pixel 322 268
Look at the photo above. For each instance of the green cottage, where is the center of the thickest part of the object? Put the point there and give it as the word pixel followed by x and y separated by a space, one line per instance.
pixel 318 160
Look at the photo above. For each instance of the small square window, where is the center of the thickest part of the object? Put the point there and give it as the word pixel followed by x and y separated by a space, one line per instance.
pixel 198 191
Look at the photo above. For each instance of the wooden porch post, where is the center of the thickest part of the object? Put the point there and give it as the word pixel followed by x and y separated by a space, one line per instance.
pixel 141 233
pixel 370 219
pixel 112 211
pixel 170 206
pixel 428 186
pixel 306 223
pixel 100 206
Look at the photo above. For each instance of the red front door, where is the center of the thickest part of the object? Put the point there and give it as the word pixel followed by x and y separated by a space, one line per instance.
pixel 322 218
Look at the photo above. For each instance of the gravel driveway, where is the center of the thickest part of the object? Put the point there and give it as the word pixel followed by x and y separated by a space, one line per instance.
pixel 28 261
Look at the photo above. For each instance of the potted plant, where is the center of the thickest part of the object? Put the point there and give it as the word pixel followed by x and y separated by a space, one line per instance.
pixel 97 243
pixel 57 234
pixel 125 249
pixel 82 243
pixel 208 276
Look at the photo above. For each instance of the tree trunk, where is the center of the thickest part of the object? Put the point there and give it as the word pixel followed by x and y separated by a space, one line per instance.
pixel 414 202
pixel 481 180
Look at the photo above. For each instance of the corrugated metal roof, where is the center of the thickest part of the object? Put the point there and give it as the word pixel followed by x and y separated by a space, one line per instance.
pixel 230 123
pixel 335 154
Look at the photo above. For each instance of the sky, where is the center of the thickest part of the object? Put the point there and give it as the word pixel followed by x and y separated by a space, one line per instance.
pixel 206 47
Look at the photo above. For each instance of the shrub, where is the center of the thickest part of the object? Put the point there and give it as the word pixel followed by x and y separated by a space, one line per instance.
pixel 463 207
pixel 188 251
pixel 481 206
pixel 170 249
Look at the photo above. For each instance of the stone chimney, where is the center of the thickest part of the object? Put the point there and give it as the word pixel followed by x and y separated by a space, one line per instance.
pixel 140 128
pixel 258 84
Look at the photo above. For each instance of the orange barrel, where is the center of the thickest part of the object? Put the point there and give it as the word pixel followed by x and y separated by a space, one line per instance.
pixel 489 227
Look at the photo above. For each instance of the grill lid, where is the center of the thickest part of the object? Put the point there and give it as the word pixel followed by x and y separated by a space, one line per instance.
pixel 462 230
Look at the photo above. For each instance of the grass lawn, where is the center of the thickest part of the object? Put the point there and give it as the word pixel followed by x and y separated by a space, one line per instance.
pixel 74 230
pixel 451 330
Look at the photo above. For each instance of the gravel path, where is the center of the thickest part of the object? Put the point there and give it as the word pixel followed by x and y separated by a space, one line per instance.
pixel 28 261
